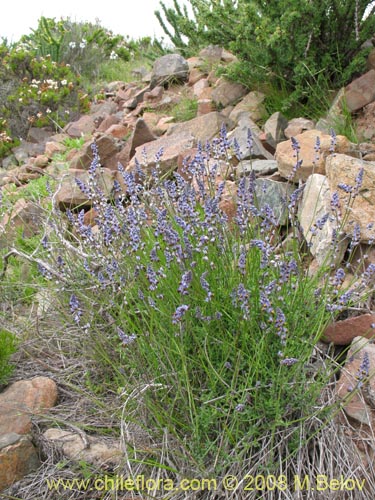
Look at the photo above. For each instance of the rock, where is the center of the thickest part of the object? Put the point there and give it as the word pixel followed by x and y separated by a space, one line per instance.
pixel 260 167
pixel 38 135
pixel 205 106
pixel 199 86
pixel 22 399
pixel 316 204
pixel 274 194
pixel 371 60
pixel 82 127
pixel 70 195
pixel 312 163
pixel 108 147
pixel 41 161
pixel 118 130
pixel 107 122
pixel 172 146
pixel 360 406
pixel 344 169
pixel 274 128
pixel 240 134
pixel 154 95
pixel 27 149
pixel 18 457
pixel 25 214
pixel 361 91
pixel 195 76
pixel 98 451
pixel 53 147
pixel 252 105
pixel 212 53
pixel 203 128
pixel 169 68
pixel 297 126
pixel 140 135
pixel 9 162
pixel 226 93
pixel 343 332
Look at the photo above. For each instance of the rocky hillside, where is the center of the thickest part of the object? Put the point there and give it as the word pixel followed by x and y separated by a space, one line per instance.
pixel 168 118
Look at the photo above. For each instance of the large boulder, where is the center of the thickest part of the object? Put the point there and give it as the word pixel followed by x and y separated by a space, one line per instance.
pixel 203 128
pixel 315 207
pixel 252 105
pixel 312 161
pixel 169 68
pixel 171 146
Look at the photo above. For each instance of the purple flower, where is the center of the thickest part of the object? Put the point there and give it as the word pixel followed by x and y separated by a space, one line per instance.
pixel 185 282
pixel 288 361
pixel 75 308
pixel 126 339
pixel 179 313
pixel 206 287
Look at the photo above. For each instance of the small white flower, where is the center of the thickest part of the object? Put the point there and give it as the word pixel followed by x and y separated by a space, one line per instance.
pixel 64 82
pixel 72 45
pixel 113 55
pixel 48 111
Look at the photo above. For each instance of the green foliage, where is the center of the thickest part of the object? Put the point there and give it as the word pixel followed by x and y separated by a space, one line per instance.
pixel 37 91
pixel 185 110
pixel 293 44
pixel 8 346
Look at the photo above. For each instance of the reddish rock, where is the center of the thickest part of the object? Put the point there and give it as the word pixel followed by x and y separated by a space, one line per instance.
pixel 108 147
pixel 226 93
pixel 356 386
pixel 53 147
pixel 25 214
pixel 343 332
pixel 205 106
pixel 203 128
pixel 41 161
pixel 371 60
pixel 82 127
pixel 361 91
pixel 172 146
pixel 195 76
pixel 252 105
pixel 22 399
pixel 286 158
pixel 140 135
pixel 107 122
pixel 297 126
pixel 199 86
pixel 154 95
pixel 70 195
pixel 18 457
pixel 118 130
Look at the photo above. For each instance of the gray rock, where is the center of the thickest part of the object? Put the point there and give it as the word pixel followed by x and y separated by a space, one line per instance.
pixel 276 195
pixel 168 68
pixel 274 128
pixel 260 167
pixel 240 133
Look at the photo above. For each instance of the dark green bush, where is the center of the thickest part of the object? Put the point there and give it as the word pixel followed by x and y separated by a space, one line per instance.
pixel 298 45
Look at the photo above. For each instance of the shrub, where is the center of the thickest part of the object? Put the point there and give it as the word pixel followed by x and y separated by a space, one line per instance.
pixel 297 44
pixel 37 91
pixel 207 326
pixel 8 347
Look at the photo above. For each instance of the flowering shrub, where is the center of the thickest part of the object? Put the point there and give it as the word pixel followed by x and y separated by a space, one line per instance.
pixel 37 91
pixel 209 324
pixel 85 46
